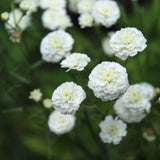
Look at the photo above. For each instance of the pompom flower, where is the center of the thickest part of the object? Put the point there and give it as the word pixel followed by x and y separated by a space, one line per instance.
pixel 68 97
pixel 106 13
pixel 85 6
pixel 85 20
pixel 135 98
pixel 112 130
pixel 56 19
pixel 60 123
pixel 108 80
pixel 127 42
pixel 75 61
pixel 30 5
pixel 53 4
pixel 56 45
pixel 135 104
pixel 128 115
pixel 36 95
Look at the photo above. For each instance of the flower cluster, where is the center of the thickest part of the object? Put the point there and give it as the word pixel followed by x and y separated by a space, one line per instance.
pixel 55 15
pixel 134 105
pixel 102 12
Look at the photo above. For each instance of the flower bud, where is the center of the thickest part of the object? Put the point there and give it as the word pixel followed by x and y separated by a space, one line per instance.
pixel 24 6
pixel 5 16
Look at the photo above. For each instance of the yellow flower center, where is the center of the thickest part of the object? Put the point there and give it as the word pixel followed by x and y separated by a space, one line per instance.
pixel 108 76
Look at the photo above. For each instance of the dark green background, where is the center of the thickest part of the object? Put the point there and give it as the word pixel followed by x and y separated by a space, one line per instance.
pixel 24 134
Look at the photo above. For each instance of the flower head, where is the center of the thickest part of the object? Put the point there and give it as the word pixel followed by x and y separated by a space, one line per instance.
pixel 127 114
pixel 85 6
pixel 108 80
pixel 106 12
pixel 56 45
pixel 85 20
pixel 56 19
pixel 35 95
pixel 53 4
pixel 75 61
pixel 127 42
pixel 60 123
pixel 112 130
pixel 68 97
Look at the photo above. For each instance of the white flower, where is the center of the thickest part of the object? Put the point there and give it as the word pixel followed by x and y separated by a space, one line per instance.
pixel 112 130
pixel 128 115
pixel 25 5
pixel 14 18
pixel 4 16
pixel 85 6
pixel 127 42
pixel 149 135
pixel 106 12
pixel 56 19
pixel 135 98
pixel 30 5
pixel 73 5
pixel 47 103
pixel 60 123
pixel 148 90
pixel 108 80
pixel 85 20
pixel 56 45
pixel 53 4
pixel 75 61
pixel 35 95
pixel 68 97
pixel 106 45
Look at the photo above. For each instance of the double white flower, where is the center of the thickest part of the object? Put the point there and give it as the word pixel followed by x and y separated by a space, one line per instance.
pixel 61 123
pixel 108 80
pixel 134 105
pixel 56 45
pixel 106 13
pixel 68 97
pixel 127 42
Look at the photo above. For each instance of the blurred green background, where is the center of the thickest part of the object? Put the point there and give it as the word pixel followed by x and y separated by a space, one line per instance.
pixel 24 132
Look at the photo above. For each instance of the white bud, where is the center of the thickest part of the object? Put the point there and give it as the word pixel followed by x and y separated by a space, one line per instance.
pixel 24 6
pixel 4 16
